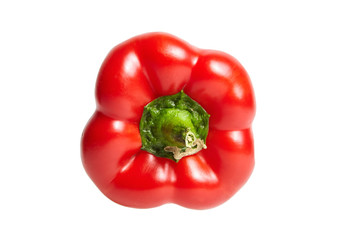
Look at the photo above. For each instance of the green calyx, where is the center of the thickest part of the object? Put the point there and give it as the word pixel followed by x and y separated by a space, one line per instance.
pixel 174 126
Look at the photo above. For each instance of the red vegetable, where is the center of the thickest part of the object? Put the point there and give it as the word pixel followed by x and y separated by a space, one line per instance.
pixel 129 162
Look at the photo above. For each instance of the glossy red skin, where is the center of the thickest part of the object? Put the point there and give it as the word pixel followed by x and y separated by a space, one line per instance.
pixel 156 64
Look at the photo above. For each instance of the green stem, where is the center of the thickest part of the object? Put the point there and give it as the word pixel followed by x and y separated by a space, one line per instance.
pixel 174 126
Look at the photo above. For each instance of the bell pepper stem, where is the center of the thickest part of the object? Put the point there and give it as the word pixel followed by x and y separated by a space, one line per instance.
pixel 174 126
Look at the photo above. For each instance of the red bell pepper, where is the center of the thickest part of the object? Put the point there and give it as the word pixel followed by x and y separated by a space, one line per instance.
pixel 172 124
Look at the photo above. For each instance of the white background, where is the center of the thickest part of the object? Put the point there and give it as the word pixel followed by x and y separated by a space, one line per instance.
pixel 304 61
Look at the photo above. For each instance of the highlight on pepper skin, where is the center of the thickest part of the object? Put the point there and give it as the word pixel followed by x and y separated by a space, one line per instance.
pixel 172 125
